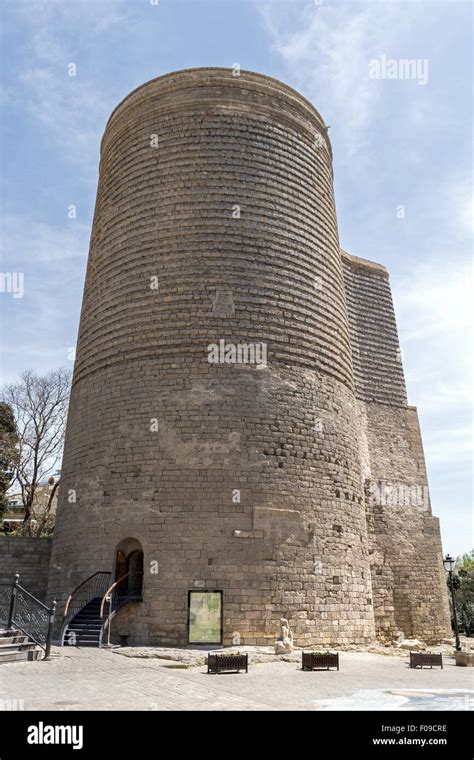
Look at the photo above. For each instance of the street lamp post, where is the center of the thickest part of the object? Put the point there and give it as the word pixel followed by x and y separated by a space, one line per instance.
pixel 449 567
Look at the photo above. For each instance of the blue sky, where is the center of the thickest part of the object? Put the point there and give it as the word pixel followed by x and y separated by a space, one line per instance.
pixel 395 142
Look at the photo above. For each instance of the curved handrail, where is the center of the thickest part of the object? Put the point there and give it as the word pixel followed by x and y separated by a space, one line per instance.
pixel 117 602
pixel 90 588
pixel 104 598
pixel 72 594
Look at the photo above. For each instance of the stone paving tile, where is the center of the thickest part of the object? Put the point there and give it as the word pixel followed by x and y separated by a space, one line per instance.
pixel 101 680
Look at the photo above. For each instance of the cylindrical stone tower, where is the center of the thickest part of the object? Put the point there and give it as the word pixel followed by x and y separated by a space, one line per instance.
pixel 212 421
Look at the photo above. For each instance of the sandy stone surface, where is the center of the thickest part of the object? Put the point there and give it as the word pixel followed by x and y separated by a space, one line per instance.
pixel 99 679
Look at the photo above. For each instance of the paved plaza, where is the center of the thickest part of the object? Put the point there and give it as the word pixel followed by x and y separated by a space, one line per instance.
pixel 101 679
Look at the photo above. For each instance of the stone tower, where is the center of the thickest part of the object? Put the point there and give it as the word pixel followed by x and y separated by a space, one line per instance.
pixel 238 413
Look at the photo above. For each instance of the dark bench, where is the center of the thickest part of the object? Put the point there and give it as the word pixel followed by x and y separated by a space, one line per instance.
pixel 316 660
pixel 227 663
pixel 420 659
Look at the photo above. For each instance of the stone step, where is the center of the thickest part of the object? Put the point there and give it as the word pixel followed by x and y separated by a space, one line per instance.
pixel 26 655
pixel 83 644
pixel 84 634
pixel 87 619
pixel 13 639
pixel 21 644
pixel 8 631
pixel 82 637
pixel 16 646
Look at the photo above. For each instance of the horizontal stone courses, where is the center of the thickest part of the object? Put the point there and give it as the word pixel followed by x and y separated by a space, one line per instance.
pixel 239 161
pixel 305 307
pixel 377 366
pixel 244 189
pixel 199 220
pixel 197 212
pixel 199 164
pixel 199 253
pixel 286 358
pixel 276 352
pixel 279 276
pixel 247 84
pixel 172 80
pixel 196 208
pixel 250 278
pixel 196 252
pixel 185 135
pixel 301 128
pixel 202 324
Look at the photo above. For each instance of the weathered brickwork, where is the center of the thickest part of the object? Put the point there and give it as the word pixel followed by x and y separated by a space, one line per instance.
pixel 215 220
pixel 376 354
pixel 30 558
pixel 408 578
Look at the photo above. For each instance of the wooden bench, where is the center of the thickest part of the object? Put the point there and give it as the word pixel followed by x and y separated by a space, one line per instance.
pixel 420 659
pixel 318 661
pixel 227 663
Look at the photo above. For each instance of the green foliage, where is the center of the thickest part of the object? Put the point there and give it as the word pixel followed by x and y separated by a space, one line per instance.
pixel 465 564
pixel 463 584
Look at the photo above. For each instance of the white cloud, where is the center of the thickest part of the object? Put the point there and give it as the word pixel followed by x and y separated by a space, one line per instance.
pixel 434 315
pixel 73 109
pixel 29 244
pixel 53 261
pixel 433 300
pixel 73 112
pixel 327 53
pixel 98 15
pixel 449 445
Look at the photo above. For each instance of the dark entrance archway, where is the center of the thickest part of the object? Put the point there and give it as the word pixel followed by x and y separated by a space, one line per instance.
pixel 129 568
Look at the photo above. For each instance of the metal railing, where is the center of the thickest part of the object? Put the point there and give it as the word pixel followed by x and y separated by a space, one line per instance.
pixel 5 594
pixel 91 588
pixel 116 600
pixel 20 609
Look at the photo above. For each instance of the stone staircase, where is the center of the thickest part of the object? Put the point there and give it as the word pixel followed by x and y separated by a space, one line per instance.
pixel 16 646
pixel 85 627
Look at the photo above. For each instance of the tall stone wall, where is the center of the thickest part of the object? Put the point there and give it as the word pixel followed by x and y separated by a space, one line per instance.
pixel 408 578
pixel 376 356
pixel 215 221
pixel 284 436
pixel 30 558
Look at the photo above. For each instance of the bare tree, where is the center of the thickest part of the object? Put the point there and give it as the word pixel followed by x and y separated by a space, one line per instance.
pixel 39 405
pixel 8 452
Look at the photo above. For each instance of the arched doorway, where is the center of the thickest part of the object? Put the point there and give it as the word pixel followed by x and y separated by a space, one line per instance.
pixel 129 568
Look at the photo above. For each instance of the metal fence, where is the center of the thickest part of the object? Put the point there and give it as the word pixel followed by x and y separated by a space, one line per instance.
pixel 20 609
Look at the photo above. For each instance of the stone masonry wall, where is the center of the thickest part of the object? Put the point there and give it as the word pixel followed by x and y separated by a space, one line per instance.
pixel 376 357
pixel 215 220
pixel 28 556
pixel 294 543
pixel 408 578
pixel 406 555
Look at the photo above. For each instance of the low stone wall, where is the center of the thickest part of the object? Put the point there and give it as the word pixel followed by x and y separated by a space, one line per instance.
pixel 29 557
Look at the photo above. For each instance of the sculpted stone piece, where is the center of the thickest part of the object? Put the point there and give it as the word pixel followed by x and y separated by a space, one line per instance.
pixel 285 643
